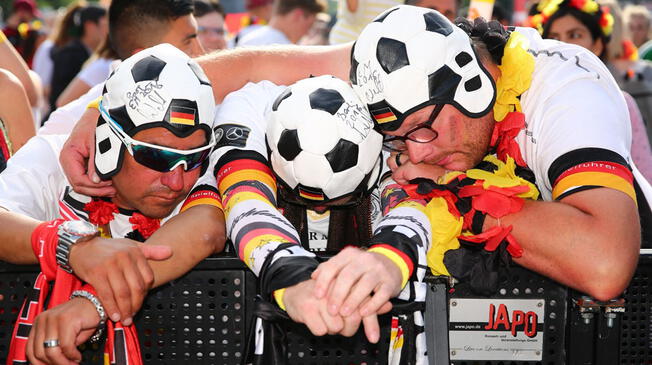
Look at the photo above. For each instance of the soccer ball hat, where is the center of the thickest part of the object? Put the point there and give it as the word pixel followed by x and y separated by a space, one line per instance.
pixel 157 87
pixel 411 57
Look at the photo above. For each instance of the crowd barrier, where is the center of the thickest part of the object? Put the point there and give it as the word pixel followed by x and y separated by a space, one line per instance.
pixel 204 318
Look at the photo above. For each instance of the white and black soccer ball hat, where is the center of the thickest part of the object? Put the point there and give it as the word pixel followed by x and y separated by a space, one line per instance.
pixel 322 141
pixel 410 57
pixel 159 86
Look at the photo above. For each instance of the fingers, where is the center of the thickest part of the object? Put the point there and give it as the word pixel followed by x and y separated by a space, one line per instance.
pixel 371 327
pixel 327 271
pixel 68 341
pixel 155 252
pixel 46 329
pixel 121 292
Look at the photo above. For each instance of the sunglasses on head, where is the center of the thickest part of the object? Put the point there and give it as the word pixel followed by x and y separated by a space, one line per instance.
pixel 160 158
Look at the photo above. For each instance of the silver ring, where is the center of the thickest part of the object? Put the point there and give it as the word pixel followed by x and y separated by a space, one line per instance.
pixel 397 159
pixel 50 343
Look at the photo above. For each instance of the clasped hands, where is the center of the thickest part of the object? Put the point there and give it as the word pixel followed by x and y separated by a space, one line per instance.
pixel 351 288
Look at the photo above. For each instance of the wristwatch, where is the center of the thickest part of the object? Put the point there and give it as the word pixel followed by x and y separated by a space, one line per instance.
pixel 70 233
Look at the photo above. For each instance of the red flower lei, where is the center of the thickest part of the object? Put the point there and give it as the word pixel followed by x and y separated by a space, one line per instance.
pixel 100 212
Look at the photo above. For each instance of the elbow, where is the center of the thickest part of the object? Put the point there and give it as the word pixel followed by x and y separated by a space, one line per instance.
pixel 610 278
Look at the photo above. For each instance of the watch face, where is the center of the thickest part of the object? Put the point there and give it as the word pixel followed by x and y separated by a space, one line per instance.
pixel 79 228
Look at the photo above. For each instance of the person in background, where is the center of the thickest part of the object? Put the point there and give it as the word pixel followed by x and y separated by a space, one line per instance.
pixel 291 20
pixel 449 8
pixel 210 24
pixel 353 15
pixel 23 28
pixel 60 36
pixel 90 27
pixel 637 23
pixel 95 71
pixel 582 26
pixel 258 14
pixel 319 32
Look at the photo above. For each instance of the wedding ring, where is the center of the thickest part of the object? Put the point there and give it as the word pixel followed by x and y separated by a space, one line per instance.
pixel 51 343
pixel 398 158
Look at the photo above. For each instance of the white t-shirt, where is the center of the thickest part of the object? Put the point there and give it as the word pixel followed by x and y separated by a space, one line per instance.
pixel 62 120
pixel 42 63
pixel 574 113
pixel 34 185
pixel 96 72
pixel 264 35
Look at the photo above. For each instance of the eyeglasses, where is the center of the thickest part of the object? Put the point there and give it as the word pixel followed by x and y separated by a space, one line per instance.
pixel 422 133
pixel 216 30
pixel 160 158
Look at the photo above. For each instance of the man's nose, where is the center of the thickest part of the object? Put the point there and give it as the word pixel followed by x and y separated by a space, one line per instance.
pixel 173 179
pixel 417 152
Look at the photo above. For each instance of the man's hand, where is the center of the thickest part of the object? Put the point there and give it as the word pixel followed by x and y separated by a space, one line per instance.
pixel 70 323
pixel 352 276
pixel 303 307
pixel 78 155
pixel 407 170
pixel 119 272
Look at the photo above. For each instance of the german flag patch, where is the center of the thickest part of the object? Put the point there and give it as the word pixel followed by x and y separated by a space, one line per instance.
pixel 182 115
pixel 311 194
pixel 383 115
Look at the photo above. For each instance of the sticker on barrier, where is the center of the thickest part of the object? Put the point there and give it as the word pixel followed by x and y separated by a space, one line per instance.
pixel 496 329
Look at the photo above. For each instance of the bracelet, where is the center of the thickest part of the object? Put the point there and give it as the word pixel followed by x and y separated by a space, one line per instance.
pixel 100 310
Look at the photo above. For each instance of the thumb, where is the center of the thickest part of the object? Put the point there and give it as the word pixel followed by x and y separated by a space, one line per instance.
pixel 155 252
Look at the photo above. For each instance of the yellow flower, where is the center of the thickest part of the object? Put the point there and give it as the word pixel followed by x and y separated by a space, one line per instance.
pixel 516 69
pixel 445 229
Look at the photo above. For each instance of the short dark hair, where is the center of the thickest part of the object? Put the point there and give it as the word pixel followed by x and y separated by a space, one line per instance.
pixel 135 24
pixel 283 7
pixel 203 7
pixel 89 13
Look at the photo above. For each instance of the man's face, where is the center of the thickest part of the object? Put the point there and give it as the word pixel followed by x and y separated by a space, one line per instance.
pixel 448 8
pixel 156 194
pixel 638 28
pixel 461 141
pixel 182 34
pixel 211 31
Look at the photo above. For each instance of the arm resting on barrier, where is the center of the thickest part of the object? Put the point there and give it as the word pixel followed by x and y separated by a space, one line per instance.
pixel 589 240
pixel 122 271
pixel 15 236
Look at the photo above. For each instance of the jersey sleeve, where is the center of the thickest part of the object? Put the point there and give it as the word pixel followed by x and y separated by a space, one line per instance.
pixel 404 233
pixel 578 132
pixel 204 192
pixel 264 239
pixel 33 181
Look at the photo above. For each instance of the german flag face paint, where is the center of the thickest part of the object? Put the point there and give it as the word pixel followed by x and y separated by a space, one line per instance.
pixel 182 115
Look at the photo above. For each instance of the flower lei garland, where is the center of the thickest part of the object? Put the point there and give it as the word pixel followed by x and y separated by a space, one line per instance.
pixel 459 201
pixel 101 212
pixel 548 7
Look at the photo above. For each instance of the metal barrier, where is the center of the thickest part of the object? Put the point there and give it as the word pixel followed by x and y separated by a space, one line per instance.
pixel 203 317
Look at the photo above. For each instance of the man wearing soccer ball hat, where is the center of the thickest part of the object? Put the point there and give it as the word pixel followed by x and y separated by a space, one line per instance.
pixel 298 169
pixel 153 139
pixel 446 95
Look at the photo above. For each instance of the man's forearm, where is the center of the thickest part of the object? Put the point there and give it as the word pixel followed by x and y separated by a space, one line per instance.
pixel 589 241
pixel 16 238
pixel 193 235
pixel 281 65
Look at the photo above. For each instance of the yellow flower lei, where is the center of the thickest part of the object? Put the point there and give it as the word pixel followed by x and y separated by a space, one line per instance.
pixel 516 70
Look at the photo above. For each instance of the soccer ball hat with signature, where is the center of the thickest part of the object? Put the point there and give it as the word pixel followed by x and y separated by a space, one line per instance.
pixel 322 142
pixel 410 57
pixel 157 87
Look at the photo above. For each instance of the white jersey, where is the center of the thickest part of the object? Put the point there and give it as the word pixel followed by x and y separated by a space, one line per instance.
pixel 34 185
pixel 576 118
